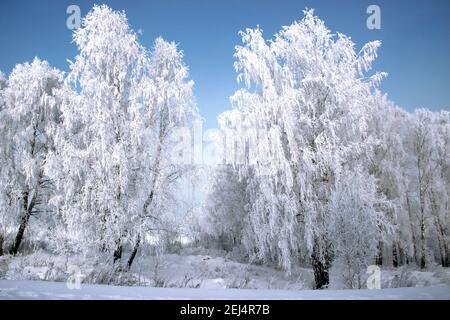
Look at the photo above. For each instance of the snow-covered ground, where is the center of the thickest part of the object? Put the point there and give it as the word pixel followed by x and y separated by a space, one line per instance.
pixel 198 274
pixel 27 289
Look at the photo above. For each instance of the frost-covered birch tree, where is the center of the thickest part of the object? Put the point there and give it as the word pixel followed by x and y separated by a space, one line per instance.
pixel 225 216
pixel 427 142
pixel 388 163
pixel 30 109
pixel 5 198
pixel 91 164
pixel 303 116
pixel 168 98
pixel 440 189
pixel 112 163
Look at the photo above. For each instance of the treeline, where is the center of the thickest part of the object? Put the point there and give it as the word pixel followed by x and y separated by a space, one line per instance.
pixel 321 169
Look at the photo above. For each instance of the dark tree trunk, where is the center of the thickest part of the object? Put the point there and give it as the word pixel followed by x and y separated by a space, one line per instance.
pixel 441 233
pixel 422 190
pixel 422 244
pixel 401 256
pixel 321 276
pixel 23 222
pixel 379 257
pixel 321 268
pixel 148 202
pixel 27 204
pixel 133 253
pixel 398 254
pixel 395 258
pixel 19 236
pixel 118 252
pixel 1 244
pixel 447 259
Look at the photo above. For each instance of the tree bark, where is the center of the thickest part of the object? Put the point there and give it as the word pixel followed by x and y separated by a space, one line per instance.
pixel 440 228
pixel 422 244
pixel 441 242
pixel 422 228
pixel 321 268
pixel 2 238
pixel 133 253
pixel 395 257
pixel 27 204
pixel 118 252
pixel 23 221
pixel 379 257
pixel 422 187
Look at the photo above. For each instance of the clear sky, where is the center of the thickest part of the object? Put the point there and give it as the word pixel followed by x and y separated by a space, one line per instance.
pixel 415 36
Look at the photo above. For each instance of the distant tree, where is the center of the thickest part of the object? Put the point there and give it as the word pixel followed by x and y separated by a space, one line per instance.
pixel 428 171
pixel 440 189
pixel 357 224
pixel 168 98
pixel 226 216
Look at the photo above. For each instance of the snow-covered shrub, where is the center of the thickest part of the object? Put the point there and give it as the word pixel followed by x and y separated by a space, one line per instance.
pixel 241 280
pixel 5 261
pixel 403 278
pixel 39 265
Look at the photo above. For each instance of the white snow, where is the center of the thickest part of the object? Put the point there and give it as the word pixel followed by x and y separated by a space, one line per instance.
pixel 10 289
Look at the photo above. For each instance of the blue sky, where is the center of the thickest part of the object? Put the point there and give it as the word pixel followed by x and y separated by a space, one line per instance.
pixel 415 36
